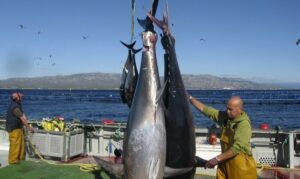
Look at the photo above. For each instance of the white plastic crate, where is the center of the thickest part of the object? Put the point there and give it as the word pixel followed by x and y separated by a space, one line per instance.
pixel 59 144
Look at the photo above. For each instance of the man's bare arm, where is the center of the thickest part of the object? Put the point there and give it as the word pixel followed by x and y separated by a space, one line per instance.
pixel 200 106
pixel 24 121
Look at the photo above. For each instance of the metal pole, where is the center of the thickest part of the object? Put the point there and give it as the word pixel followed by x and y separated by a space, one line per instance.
pixel 291 150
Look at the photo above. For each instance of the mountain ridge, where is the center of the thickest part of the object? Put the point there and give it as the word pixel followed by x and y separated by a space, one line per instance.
pixel 99 80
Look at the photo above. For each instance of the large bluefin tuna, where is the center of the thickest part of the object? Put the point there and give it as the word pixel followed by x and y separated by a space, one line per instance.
pixel 145 136
pixel 179 118
pixel 131 77
pixel 145 139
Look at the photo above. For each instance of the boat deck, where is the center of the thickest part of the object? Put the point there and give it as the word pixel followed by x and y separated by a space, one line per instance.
pixel 39 169
pixel 270 148
pixel 282 173
pixel 107 168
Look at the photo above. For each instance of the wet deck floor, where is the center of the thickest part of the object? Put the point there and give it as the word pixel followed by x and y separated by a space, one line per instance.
pixel 267 173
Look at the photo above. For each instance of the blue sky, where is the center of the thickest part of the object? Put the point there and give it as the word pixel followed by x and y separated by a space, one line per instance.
pixel 252 39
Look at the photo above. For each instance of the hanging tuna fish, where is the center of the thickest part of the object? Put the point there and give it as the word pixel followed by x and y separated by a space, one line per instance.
pixel 125 72
pixel 179 118
pixel 145 139
pixel 129 75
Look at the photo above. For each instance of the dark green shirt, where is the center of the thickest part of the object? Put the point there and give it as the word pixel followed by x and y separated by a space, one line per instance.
pixel 241 126
pixel 17 112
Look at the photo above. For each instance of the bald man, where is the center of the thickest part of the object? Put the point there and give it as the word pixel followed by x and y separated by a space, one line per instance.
pixel 235 161
pixel 15 120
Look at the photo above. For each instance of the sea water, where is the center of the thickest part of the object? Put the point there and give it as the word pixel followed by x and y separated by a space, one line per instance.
pixel 274 107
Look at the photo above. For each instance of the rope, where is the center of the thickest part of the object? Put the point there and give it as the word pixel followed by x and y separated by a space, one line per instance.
pixel 260 167
pixel 88 167
pixel 132 18
pixel 117 134
pixel 38 123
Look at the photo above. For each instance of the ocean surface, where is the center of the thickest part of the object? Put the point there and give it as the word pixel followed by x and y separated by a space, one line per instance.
pixel 275 107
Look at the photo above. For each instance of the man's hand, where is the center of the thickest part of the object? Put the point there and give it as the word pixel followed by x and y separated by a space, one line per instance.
pixel 30 129
pixel 212 163
pixel 199 105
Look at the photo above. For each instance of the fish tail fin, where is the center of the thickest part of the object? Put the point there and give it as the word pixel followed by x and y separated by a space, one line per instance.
pixel 147 23
pixel 150 18
pixel 135 51
pixel 129 46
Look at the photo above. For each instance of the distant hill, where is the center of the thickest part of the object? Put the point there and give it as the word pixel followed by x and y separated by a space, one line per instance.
pixel 113 80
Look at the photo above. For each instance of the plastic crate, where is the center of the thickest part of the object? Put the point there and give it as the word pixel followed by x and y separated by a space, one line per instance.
pixel 63 145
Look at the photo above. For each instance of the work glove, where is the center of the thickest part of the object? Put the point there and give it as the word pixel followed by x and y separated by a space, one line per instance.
pixel 212 163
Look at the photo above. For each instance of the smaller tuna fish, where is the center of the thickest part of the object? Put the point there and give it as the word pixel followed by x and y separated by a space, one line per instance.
pixel 131 78
pixel 129 75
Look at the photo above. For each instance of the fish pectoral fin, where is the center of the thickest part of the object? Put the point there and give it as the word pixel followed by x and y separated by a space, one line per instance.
pixel 169 172
pixel 126 70
pixel 161 92
pixel 116 169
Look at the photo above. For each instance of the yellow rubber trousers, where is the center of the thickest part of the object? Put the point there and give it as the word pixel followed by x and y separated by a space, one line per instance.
pixel 241 166
pixel 16 146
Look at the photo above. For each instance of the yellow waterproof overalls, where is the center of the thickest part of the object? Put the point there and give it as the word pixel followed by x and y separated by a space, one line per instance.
pixel 242 166
pixel 16 146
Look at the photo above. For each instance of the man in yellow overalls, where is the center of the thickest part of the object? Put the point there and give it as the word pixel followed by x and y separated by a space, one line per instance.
pixel 15 120
pixel 235 161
